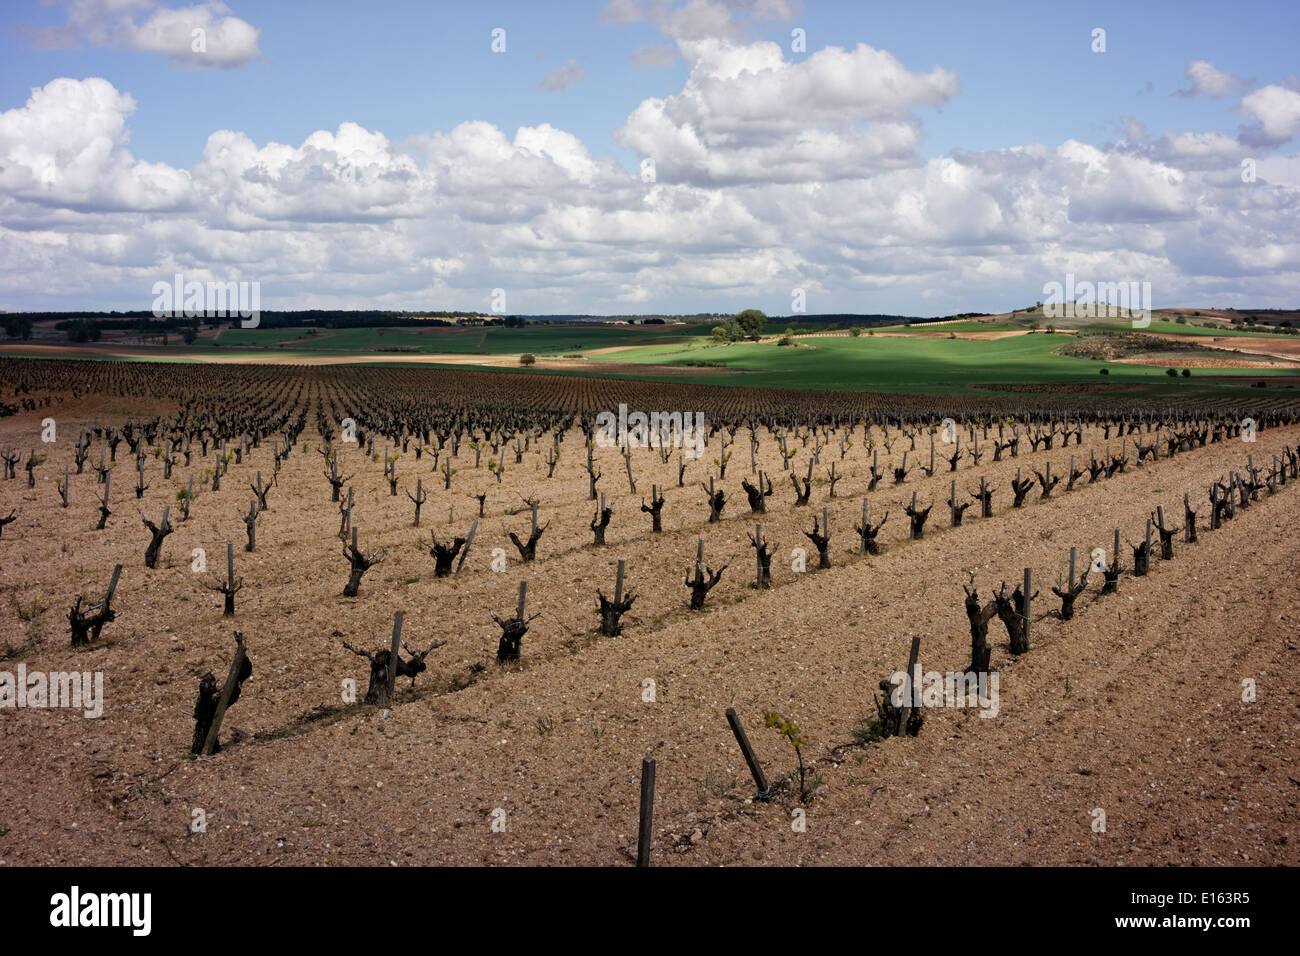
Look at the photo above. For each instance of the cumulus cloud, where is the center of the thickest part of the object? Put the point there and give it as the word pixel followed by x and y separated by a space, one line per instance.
pixel 1208 80
pixel 563 77
pixel 747 114
pixel 349 175
pixel 770 176
pixel 1117 188
pixel 1211 150
pixel 202 36
pixel 67 148
pixel 1277 112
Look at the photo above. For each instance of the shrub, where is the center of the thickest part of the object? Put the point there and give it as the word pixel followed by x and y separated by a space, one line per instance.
pixel 80 330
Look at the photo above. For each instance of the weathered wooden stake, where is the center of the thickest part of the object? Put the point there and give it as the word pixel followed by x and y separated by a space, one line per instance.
pixel 647 811
pixel 760 781
pixel 392 658
pixel 469 539
pixel 232 681
pixel 913 691
pixel 1028 597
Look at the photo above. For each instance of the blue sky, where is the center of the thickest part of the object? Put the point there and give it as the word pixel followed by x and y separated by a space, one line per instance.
pixel 574 238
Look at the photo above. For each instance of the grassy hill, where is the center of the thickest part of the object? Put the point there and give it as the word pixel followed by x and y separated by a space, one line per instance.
pixel 905 363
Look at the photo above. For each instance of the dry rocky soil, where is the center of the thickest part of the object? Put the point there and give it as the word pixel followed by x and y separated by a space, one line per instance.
pixel 1134 708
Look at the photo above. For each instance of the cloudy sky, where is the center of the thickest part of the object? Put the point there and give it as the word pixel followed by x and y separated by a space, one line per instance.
pixel 649 155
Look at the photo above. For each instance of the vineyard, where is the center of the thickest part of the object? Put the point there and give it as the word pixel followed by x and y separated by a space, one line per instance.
pixel 355 615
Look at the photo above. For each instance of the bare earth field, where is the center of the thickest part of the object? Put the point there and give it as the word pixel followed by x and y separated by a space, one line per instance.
pixel 1134 707
pixel 1181 360
pixel 1273 346
pixel 268 357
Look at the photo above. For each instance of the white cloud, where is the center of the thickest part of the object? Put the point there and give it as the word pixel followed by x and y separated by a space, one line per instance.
pixel 201 37
pixel 772 175
pixel 563 77
pixel 1118 188
pixel 67 148
pixel 352 174
pixel 1277 110
pixel 746 114
pixel 1206 151
pixel 1208 80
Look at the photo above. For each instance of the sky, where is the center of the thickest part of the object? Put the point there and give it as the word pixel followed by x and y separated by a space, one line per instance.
pixel 635 156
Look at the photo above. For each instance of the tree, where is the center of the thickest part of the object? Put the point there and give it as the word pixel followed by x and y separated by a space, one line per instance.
pixel 82 330
pixel 18 326
pixel 528 359
pixel 751 324
pixel 721 335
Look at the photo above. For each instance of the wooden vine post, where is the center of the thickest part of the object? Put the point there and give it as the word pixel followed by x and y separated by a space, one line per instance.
pixel 647 811
pixel 760 780
pixel 240 670
pixel 612 611
pixel 393 656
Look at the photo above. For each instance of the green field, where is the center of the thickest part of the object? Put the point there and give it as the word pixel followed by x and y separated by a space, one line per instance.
pixel 952 327
pixel 899 364
pixel 554 340
pixel 258 338
pixel 915 364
